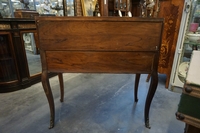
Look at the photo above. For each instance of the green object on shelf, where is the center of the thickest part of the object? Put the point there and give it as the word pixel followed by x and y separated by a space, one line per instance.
pixel 190 106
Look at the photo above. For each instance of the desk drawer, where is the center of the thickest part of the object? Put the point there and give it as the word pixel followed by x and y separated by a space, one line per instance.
pixel 100 62
pixel 100 36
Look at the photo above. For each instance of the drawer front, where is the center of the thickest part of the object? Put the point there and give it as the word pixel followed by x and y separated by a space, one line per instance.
pixel 100 36
pixel 100 62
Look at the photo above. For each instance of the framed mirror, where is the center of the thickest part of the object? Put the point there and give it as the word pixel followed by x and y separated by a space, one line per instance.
pixel 31 53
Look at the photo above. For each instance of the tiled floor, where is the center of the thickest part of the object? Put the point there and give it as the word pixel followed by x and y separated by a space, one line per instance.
pixel 93 103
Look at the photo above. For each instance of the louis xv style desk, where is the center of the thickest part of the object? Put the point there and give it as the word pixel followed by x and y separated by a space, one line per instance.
pixel 99 45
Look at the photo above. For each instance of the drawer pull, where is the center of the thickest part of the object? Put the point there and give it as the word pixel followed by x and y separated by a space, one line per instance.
pixel 188 89
pixel 180 116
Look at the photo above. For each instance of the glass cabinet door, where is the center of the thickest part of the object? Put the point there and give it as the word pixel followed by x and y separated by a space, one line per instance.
pixel 8 70
pixel 69 8
pixel 5 8
pixel 189 40
pixel 32 52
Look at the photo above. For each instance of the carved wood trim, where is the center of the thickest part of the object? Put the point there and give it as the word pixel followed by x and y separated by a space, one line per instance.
pixel 190 120
pixel 25 26
pixel 5 26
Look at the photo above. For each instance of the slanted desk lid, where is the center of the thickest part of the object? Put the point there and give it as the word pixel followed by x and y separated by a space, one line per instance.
pixel 193 75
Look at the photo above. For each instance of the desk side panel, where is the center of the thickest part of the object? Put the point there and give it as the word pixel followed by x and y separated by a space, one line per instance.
pixel 100 62
pixel 100 36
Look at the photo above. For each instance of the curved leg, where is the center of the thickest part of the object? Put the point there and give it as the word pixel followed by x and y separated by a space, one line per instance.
pixel 167 81
pixel 47 89
pixel 148 77
pixel 137 79
pixel 60 77
pixel 151 92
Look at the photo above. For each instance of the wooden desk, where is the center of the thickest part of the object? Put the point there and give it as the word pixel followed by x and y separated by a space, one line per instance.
pixel 100 45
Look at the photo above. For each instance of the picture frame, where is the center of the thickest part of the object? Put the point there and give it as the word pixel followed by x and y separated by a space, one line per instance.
pixel 88 7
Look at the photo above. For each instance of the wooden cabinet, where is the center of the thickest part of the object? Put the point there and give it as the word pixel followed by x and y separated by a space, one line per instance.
pixel 20 13
pixel 14 69
pixel 8 71
pixel 171 10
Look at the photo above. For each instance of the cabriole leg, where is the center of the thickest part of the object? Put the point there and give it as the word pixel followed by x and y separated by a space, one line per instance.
pixel 60 77
pixel 47 89
pixel 137 79
pixel 151 92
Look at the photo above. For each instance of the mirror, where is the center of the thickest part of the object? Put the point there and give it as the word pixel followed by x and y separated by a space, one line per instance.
pixel 70 8
pixel 32 53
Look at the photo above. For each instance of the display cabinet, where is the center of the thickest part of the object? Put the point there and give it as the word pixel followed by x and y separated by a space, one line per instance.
pixel 124 6
pixel 47 7
pixel 188 40
pixel 19 65
pixel 5 8
pixel 8 71
pixel 14 69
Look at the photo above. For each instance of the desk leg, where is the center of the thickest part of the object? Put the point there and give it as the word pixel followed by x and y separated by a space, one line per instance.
pixel 60 77
pixel 137 79
pixel 152 90
pixel 47 89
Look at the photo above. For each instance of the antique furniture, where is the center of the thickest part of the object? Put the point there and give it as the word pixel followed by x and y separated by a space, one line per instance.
pixel 186 43
pixel 104 45
pixel 20 13
pixel 16 72
pixel 189 108
pixel 172 11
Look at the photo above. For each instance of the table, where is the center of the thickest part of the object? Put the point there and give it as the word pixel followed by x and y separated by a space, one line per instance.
pixel 99 45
